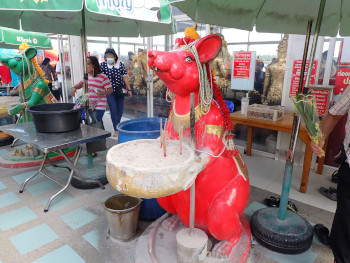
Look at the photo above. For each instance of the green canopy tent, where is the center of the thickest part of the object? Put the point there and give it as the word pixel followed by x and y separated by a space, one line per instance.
pixel 271 16
pixel 276 228
pixel 103 18
pixel 12 38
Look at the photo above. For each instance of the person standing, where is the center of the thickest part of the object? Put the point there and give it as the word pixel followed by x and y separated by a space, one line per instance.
pixel 59 76
pixel 99 88
pixel 259 76
pixel 118 76
pixel 50 75
pixel 340 234
pixel 5 78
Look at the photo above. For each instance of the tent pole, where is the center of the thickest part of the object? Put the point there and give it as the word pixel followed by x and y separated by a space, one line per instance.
pixel 282 213
pixel 308 74
pixel 297 120
pixel 314 44
pixel 288 172
pixel 83 47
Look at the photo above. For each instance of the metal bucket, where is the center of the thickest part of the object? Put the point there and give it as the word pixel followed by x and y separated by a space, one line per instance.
pixel 122 213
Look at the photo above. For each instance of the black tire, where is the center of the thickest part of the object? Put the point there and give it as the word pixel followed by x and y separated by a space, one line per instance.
pixel 6 141
pixel 81 185
pixel 282 243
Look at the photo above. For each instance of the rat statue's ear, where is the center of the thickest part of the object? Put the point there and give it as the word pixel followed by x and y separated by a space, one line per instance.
pixel 30 52
pixel 208 47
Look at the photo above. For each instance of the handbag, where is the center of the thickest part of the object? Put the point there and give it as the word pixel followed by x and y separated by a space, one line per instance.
pixel 120 91
pixel 340 156
pixel 90 119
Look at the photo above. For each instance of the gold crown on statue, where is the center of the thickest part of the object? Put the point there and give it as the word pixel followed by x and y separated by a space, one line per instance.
pixel 282 46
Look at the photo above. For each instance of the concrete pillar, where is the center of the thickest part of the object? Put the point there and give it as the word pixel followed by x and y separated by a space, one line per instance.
pixel 77 60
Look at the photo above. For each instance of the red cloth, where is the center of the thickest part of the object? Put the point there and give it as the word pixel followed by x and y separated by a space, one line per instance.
pixel 5 74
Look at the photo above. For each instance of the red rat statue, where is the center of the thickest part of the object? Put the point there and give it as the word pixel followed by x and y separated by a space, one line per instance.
pixel 222 188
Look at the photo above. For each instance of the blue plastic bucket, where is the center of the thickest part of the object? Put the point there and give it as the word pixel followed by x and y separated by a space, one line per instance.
pixel 143 128
pixel 230 105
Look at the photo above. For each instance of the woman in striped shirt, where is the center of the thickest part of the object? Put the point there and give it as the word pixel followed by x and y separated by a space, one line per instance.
pixel 99 87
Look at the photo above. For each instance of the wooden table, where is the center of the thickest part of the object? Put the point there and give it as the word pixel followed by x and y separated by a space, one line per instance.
pixel 284 125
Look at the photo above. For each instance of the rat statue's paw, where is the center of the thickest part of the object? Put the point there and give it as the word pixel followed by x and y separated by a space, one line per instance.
pixel 224 248
pixel 171 223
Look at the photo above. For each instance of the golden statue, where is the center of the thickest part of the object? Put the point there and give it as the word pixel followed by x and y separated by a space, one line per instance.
pixel 140 76
pixel 221 67
pixel 273 85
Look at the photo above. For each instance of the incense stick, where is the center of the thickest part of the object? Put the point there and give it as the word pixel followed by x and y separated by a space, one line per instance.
pixel 181 138
pixel 161 132
pixel 165 136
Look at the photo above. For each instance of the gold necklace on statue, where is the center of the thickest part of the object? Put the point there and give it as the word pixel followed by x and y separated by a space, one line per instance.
pixel 183 121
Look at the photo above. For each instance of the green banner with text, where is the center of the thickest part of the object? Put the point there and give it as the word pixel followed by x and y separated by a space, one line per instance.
pixel 17 37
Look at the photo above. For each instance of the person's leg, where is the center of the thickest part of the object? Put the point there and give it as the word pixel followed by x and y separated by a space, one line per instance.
pixel 54 92
pixel 340 234
pixel 99 116
pixel 59 85
pixel 120 106
pixel 50 86
pixel 112 102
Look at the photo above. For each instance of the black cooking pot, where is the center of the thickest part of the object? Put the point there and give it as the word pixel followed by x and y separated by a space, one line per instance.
pixel 55 117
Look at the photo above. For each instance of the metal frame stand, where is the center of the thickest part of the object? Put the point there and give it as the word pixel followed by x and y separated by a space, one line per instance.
pixel 73 171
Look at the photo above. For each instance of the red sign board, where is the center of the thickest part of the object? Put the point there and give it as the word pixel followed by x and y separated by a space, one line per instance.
pixel 296 75
pixel 241 65
pixel 322 100
pixel 342 80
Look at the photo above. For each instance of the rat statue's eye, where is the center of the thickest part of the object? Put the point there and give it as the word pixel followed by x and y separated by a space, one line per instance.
pixel 188 59
pixel 18 58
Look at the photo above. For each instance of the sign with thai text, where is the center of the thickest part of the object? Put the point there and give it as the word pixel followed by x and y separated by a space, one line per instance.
pixel 296 75
pixel 322 97
pixel 243 70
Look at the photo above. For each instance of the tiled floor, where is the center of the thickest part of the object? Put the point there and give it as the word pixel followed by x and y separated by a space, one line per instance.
pixel 266 173
pixel 75 228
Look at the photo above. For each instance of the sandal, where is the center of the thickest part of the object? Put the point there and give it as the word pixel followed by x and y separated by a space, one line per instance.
pixel 292 207
pixel 272 201
pixel 333 189
pixel 322 233
pixel 275 202
pixel 331 193
pixel 335 177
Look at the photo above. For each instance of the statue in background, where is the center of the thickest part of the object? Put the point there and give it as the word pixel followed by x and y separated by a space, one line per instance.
pixel 140 77
pixel 221 67
pixel 35 87
pixel 274 77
